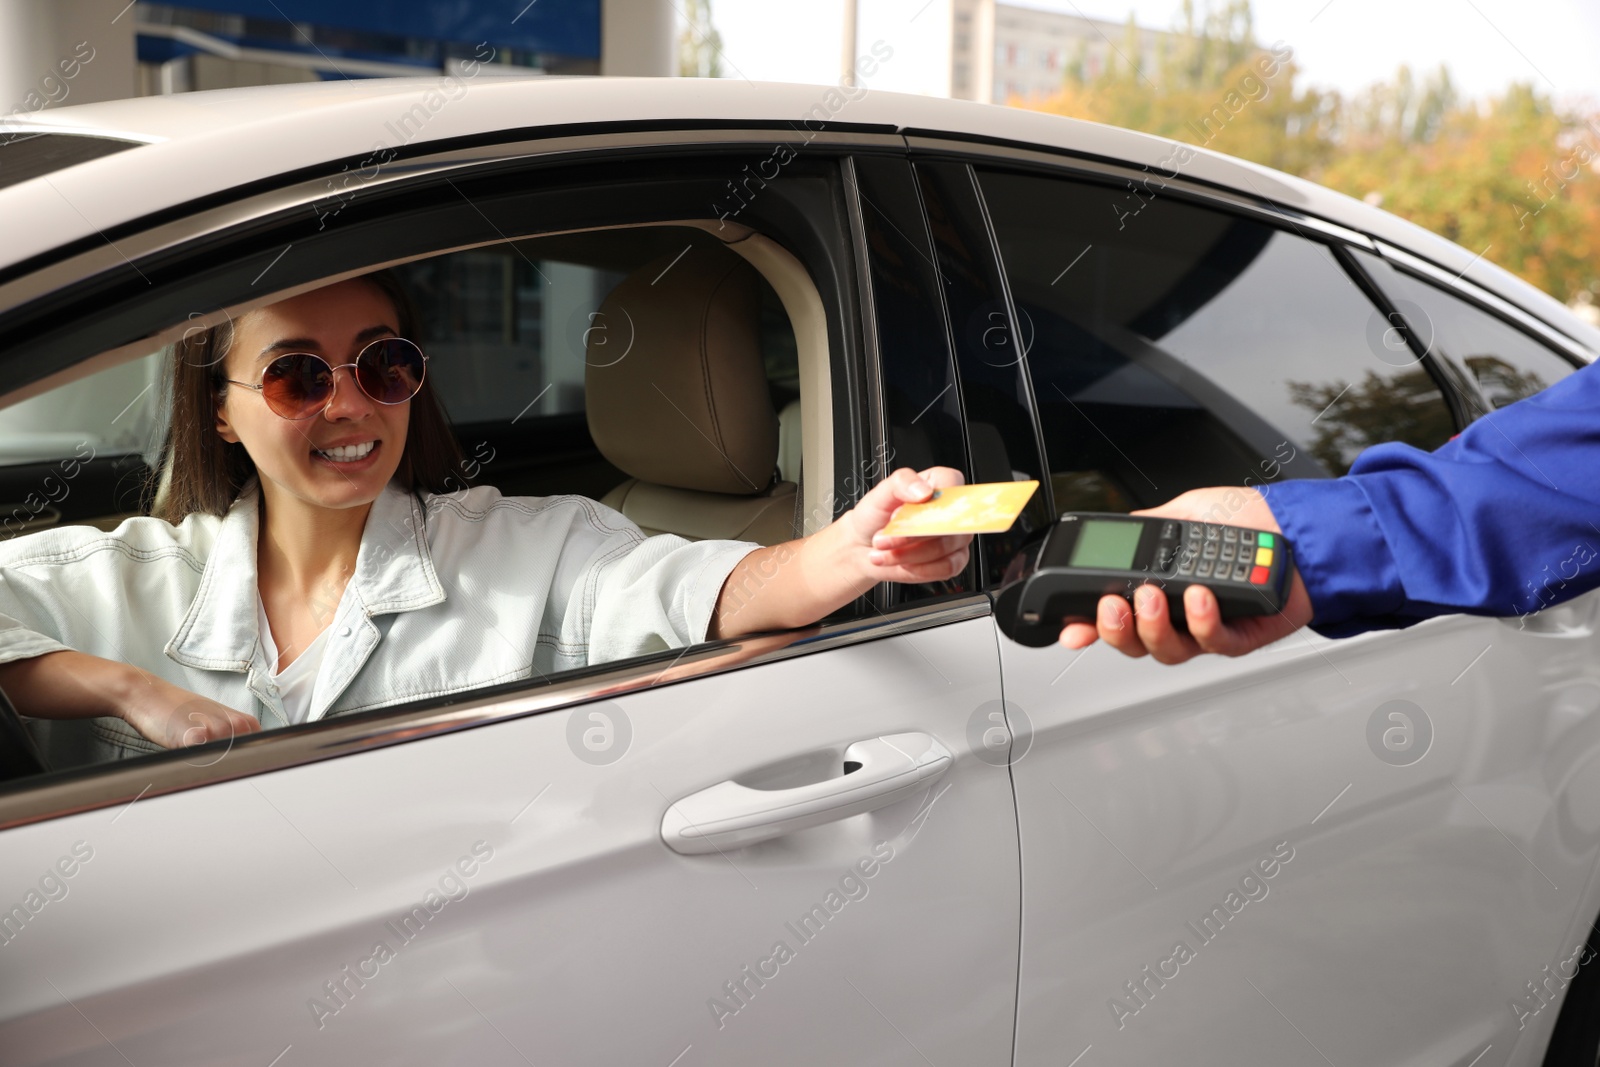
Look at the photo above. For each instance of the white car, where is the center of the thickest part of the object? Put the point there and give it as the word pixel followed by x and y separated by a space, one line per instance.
pixel 896 837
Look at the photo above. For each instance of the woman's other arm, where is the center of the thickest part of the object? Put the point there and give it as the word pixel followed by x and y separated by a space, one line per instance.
pixel 75 685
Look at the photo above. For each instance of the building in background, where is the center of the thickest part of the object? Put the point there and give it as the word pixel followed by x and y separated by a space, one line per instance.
pixel 998 51
pixel 218 44
pixel 57 53
pixel 117 48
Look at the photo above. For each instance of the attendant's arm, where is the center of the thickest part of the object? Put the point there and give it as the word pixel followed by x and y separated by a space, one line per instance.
pixel 76 685
pixel 1502 520
pixel 798 582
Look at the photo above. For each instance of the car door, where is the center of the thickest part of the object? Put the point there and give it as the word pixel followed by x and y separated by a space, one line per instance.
pixel 1362 851
pixel 783 849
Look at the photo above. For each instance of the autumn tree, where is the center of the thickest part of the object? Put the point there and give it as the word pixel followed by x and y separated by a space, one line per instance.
pixel 1514 178
pixel 1211 85
pixel 1355 416
pixel 699 43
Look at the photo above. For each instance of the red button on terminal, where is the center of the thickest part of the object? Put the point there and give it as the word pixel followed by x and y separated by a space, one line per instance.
pixel 1259 575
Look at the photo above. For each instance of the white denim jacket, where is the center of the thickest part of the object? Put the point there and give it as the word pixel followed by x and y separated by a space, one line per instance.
pixel 450 592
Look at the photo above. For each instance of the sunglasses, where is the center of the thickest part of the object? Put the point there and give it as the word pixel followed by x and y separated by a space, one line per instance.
pixel 300 385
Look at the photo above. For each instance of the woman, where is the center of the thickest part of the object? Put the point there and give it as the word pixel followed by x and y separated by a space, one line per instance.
pixel 305 560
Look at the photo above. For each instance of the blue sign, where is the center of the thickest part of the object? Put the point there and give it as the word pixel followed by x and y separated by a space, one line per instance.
pixel 562 27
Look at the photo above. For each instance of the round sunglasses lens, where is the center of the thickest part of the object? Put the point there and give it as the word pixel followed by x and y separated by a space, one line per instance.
pixel 297 386
pixel 390 370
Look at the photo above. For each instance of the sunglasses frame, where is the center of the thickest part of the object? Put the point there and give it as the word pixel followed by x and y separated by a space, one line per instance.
pixel 333 377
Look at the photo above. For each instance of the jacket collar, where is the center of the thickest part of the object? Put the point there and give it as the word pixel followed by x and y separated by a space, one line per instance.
pixel 394 572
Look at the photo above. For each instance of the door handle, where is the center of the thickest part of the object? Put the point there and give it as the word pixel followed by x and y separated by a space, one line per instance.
pixel 730 815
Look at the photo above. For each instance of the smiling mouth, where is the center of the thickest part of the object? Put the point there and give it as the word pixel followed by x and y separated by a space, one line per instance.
pixel 346 453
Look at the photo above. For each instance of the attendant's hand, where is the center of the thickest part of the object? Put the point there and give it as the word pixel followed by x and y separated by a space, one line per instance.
pixel 904 559
pixel 173 717
pixel 1146 629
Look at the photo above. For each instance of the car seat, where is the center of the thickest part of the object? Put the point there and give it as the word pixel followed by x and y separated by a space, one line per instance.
pixel 686 410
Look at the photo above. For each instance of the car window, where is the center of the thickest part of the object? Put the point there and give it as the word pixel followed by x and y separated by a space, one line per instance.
pixel 989 352
pixel 1506 363
pixel 509 325
pixel 511 330
pixel 509 333
pixel 506 330
pixel 111 412
pixel 921 407
pixel 1173 346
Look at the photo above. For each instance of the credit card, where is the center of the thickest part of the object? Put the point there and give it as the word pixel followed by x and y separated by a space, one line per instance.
pixel 987 507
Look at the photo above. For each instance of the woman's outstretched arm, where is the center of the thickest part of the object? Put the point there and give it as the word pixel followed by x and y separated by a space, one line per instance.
pixel 798 582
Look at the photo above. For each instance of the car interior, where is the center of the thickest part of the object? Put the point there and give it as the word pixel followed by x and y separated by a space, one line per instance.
pixel 520 337
pixel 676 372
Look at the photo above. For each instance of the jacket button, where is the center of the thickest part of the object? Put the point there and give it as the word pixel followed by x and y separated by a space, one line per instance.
pixel 344 631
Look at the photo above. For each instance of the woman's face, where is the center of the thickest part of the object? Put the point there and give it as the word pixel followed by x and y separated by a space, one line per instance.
pixel 334 322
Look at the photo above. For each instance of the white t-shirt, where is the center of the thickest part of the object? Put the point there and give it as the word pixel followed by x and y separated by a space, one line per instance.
pixel 298 681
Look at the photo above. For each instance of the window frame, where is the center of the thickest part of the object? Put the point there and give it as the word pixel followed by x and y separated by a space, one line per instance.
pixel 937 144
pixel 1459 287
pixel 955 186
pixel 890 181
pixel 1337 239
pixel 1475 403
pixel 87 278
pixel 1459 394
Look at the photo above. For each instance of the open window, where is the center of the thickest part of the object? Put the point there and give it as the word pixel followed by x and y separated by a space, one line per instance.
pixel 521 334
pixel 557 308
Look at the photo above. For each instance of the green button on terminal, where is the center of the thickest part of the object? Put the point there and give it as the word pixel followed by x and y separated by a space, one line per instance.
pixel 1264 539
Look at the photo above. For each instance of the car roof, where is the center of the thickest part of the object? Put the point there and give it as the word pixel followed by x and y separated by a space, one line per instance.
pixel 200 144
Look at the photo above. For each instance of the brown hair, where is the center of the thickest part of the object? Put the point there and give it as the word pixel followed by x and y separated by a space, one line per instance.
pixel 199 471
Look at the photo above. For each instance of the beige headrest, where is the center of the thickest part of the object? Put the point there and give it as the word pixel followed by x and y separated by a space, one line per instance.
pixel 688 404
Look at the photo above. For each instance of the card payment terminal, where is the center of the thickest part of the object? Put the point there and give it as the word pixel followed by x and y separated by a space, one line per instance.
pixel 1086 555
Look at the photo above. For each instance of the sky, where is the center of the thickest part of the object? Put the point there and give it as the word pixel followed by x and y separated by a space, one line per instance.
pixel 1342 44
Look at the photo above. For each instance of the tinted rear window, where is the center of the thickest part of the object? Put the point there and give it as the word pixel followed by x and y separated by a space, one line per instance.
pixel 1173 346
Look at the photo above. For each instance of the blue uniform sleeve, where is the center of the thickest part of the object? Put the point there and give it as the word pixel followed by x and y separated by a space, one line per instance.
pixel 1502 520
